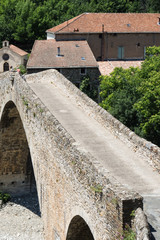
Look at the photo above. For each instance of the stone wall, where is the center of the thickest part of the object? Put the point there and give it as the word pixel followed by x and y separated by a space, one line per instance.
pixel 70 182
pixel 74 74
pixel 141 226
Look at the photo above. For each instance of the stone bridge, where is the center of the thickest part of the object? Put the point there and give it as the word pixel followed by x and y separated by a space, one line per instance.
pixel 90 171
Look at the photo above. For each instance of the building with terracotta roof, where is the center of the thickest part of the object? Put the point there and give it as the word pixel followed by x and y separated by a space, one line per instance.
pixel 74 59
pixel 11 56
pixel 106 67
pixel 113 36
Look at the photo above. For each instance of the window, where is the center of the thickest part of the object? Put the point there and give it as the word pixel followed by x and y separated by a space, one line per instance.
pixel 83 71
pixel 5 56
pixel 120 52
pixel 144 54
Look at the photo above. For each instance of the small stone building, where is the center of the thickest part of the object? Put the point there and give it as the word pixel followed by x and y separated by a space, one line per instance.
pixel 11 56
pixel 74 59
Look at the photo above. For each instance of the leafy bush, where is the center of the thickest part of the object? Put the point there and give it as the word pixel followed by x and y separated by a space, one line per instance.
pixel 22 69
pixel 127 234
pixel 5 197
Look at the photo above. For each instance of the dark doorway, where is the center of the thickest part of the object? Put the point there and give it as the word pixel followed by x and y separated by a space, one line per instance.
pixel 6 67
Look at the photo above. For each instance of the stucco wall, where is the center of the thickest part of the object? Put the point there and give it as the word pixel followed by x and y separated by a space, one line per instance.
pixel 133 43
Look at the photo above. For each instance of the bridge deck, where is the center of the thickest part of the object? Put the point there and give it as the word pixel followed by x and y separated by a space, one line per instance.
pixel 125 165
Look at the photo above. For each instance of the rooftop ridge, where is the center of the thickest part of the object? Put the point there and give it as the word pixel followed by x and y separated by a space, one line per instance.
pixel 74 19
pixel 71 21
pixel 114 22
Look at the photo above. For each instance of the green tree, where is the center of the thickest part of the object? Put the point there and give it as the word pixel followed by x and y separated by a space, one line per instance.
pixel 133 96
pixel 89 88
pixel 32 21
pixel 119 93
pixel 7 17
pixel 23 21
pixel 148 105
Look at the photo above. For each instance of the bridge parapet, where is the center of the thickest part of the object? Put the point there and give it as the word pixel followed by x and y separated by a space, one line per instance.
pixel 69 180
pixel 146 149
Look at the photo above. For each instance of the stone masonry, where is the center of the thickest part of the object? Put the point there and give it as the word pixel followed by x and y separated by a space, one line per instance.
pixel 71 186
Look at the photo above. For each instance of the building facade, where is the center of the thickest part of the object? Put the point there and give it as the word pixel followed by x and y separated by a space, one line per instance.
pixel 11 56
pixel 112 36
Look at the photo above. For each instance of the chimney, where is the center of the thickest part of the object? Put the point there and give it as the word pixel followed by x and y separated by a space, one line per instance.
pixel 102 28
pixel 103 44
pixel 58 51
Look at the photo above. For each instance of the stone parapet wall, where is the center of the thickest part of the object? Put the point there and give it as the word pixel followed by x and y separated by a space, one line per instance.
pixel 146 149
pixel 141 226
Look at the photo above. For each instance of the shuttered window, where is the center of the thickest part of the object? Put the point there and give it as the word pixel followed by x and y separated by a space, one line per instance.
pixel 120 52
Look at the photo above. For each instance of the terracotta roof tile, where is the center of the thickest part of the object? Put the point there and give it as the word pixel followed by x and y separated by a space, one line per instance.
pixel 17 50
pixel 113 23
pixel 72 54
pixel 107 67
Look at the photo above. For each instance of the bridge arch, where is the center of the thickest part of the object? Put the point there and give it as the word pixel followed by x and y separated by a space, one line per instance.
pixel 64 173
pixel 79 229
pixel 16 172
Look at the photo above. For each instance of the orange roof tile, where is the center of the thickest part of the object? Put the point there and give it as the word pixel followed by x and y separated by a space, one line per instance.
pixel 107 67
pixel 72 54
pixel 113 23
pixel 17 50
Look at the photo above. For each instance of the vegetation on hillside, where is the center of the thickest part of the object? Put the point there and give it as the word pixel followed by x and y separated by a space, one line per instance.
pixel 133 96
pixel 23 21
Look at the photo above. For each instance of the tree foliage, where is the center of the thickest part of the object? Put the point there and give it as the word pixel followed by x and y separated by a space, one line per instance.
pixel 89 88
pixel 133 96
pixel 119 93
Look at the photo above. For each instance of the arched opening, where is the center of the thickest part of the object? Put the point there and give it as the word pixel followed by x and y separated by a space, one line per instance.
pixel 78 230
pixel 5 67
pixel 16 171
